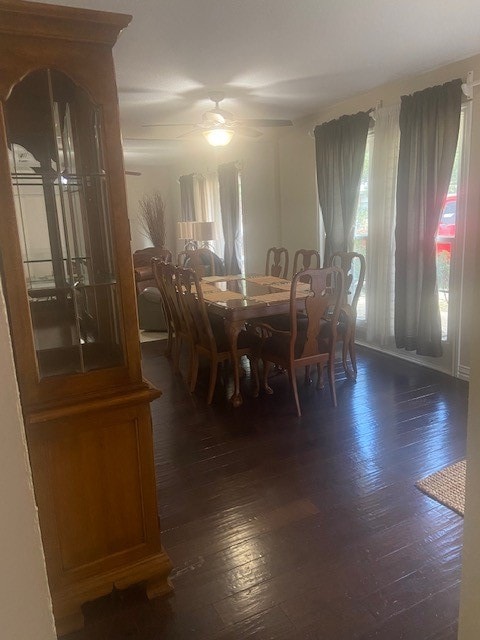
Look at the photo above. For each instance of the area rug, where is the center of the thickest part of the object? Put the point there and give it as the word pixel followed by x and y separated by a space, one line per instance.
pixel 447 486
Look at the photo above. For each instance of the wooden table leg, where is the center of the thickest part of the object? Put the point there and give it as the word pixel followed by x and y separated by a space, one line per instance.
pixel 232 329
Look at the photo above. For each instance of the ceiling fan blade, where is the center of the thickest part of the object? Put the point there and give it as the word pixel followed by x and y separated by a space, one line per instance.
pixel 171 124
pixel 266 122
pixel 190 134
pixel 133 173
pixel 150 140
pixel 248 132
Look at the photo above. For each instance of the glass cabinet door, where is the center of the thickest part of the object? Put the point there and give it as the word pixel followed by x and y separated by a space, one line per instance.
pixel 59 183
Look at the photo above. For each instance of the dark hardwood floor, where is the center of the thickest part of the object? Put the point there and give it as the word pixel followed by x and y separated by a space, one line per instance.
pixel 302 528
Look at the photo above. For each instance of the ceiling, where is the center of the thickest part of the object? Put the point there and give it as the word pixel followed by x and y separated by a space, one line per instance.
pixel 272 58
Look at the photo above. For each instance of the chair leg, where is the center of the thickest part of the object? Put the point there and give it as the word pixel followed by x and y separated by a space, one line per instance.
pixel 254 373
pixel 308 379
pixel 266 388
pixel 168 350
pixel 213 379
pixel 349 347
pixel 331 379
pixel 353 354
pixel 293 382
pixel 193 370
pixel 320 381
pixel 344 353
pixel 177 346
pixel 191 364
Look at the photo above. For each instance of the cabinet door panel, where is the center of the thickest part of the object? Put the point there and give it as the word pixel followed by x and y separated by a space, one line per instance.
pixel 93 474
pixel 56 155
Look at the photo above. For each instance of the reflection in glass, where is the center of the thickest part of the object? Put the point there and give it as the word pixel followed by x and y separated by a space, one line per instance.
pixel 54 138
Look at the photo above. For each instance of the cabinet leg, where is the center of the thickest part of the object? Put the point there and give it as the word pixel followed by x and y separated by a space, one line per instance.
pixel 158 586
pixel 69 619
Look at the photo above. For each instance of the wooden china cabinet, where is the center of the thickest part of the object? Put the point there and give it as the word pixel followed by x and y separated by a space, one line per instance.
pixel 67 277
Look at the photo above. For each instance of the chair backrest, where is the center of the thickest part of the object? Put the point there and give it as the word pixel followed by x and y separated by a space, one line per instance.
pixel 159 279
pixel 303 260
pixel 277 262
pixel 202 261
pixel 194 309
pixel 165 276
pixel 353 266
pixel 322 309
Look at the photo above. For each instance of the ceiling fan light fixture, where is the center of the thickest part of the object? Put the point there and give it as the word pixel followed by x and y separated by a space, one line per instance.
pixel 218 136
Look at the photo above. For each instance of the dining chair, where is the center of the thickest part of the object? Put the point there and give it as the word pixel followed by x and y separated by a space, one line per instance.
pixel 178 327
pixel 202 261
pixel 311 337
pixel 209 336
pixel 303 259
pixel 277 262
pixel 159 279
pixel 353 266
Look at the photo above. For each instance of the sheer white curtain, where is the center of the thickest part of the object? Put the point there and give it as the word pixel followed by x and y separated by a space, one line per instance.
pixel 212 203
pixel 207 207
pixel 201 214
pixel 381 227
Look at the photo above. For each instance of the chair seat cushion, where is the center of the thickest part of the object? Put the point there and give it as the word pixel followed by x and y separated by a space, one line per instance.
pixel 245 340
pixel 278 345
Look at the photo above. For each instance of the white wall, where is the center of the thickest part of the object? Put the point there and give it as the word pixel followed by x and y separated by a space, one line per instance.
pixel 25 605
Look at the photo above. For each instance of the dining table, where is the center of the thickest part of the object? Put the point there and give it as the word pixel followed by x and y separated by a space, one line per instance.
pixel 238 299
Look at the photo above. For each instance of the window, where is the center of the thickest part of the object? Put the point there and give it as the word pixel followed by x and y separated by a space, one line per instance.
pixel 360 244
pixel 446 236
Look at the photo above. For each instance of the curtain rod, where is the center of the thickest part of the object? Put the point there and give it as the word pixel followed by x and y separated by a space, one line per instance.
pixel 467 87
pixel 371 112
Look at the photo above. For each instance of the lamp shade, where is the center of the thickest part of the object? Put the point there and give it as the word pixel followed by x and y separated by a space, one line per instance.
pixel 185 230
pixel 203 231
pixel 218 137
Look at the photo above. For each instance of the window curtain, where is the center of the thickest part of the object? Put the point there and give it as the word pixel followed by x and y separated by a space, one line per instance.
pixel 207 207
pixel 199 201
pixel 212 200
pixel 187 197
pixel 230 208
pixel 429 125
pixel 340 151
pixel 381 226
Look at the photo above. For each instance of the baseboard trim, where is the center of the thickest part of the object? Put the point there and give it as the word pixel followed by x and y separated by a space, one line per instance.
pixel 408 358
pixel 463 372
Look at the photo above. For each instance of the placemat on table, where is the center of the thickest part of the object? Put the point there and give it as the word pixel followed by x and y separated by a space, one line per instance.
pixel 301 286
pixel 215 295
pixel 279 296
pixel 268 280
pixel 221 278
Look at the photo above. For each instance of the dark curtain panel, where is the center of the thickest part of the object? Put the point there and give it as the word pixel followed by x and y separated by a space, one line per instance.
pixel 340 152
pixel 187 202
pixel 230 208
pixel 429 124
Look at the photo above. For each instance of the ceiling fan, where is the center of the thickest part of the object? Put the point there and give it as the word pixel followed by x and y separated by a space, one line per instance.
pixel 218 126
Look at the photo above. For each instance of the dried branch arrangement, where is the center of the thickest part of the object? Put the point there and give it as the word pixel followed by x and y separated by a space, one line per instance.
pixel 152 218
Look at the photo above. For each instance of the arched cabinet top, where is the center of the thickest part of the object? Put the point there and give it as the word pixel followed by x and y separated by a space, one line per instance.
pixel 77 42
